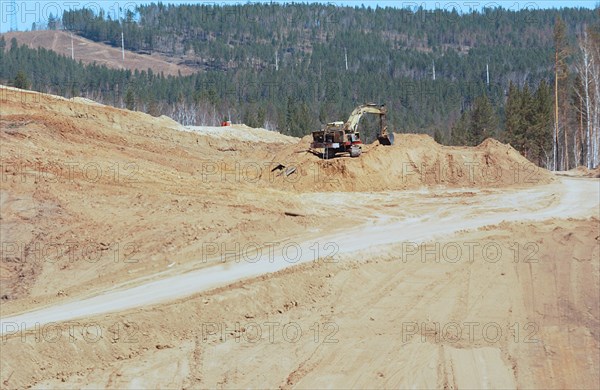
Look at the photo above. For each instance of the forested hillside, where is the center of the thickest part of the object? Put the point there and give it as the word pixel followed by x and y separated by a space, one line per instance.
pixel 295 67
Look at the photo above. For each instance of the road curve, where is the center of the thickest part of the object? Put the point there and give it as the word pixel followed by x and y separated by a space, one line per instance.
pixel 574 198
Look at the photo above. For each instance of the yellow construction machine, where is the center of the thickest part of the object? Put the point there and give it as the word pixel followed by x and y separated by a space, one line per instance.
pixel 340 137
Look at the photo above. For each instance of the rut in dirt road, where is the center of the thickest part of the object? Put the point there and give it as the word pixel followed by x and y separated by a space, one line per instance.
pixel 578 198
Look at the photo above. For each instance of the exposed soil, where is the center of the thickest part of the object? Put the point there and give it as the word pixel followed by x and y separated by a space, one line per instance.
pixel 414 161
pixel 425 253
pixel 94 52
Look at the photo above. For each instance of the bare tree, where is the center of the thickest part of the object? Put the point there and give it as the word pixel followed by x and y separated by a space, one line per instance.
pixel 560 72
pixel 584 67
pixel 184 113
pixel 595 75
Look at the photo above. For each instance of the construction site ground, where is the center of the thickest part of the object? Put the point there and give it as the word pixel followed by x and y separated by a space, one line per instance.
pixel 140 253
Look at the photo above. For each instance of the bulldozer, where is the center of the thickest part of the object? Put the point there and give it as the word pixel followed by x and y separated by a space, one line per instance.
pixel 340 137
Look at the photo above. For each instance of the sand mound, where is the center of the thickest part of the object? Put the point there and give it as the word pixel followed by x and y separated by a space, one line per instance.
pixel 586 172
pixel 96 175
pixel 414 161
pixel 581 171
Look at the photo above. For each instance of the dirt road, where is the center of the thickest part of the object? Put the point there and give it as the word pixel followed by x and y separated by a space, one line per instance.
pixel 440 215
pixel 523 317
pixel 438 267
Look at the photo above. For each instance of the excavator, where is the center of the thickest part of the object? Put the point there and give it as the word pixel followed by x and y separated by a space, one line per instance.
pixel 340 137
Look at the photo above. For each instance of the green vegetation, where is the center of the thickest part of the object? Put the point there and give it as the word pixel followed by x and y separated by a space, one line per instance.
pixel 529 122
pixel 129 100
pixel 284 67
pixel 21 80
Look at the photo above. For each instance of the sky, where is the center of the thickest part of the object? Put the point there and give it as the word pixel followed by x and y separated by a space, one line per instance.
pixel 26 12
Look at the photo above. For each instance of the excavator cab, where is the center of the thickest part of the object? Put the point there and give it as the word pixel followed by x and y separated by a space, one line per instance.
pixel 354 137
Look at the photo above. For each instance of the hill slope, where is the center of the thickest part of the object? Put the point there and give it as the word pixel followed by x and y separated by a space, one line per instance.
pixel 89 52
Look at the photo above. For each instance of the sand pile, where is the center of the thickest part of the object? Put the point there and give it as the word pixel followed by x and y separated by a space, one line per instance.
pixel 586 172
pixel 414 161
pixel 104 179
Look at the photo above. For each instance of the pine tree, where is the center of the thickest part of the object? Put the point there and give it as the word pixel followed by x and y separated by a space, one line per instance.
pixel 542 125
pixel 438 137
pixel 21 80
pixel 526 131
pixel 458 133
pixel 130 100
pixel 2 55
pixel 484 121
pixel 322 114
pixel 514 117
pixel 153 107
pixel 52 22
pixel 529 122
pixel 261 116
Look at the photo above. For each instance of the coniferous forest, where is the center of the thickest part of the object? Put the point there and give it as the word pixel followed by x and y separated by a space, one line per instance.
pixel 460 77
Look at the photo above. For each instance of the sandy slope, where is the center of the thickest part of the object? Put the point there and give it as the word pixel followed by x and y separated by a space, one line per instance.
pixel 89 52
pixel 571 198
pixel 94 196
pixel 414 161
pixel 130 202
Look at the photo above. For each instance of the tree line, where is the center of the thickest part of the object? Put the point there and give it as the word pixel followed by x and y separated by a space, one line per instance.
pixel 556 126
pixel 295 67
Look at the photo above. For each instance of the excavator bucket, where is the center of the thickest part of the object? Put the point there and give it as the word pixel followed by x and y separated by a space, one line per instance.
pixel 386 139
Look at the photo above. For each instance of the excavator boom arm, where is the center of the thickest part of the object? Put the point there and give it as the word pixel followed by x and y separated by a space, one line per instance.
pixel 354 119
